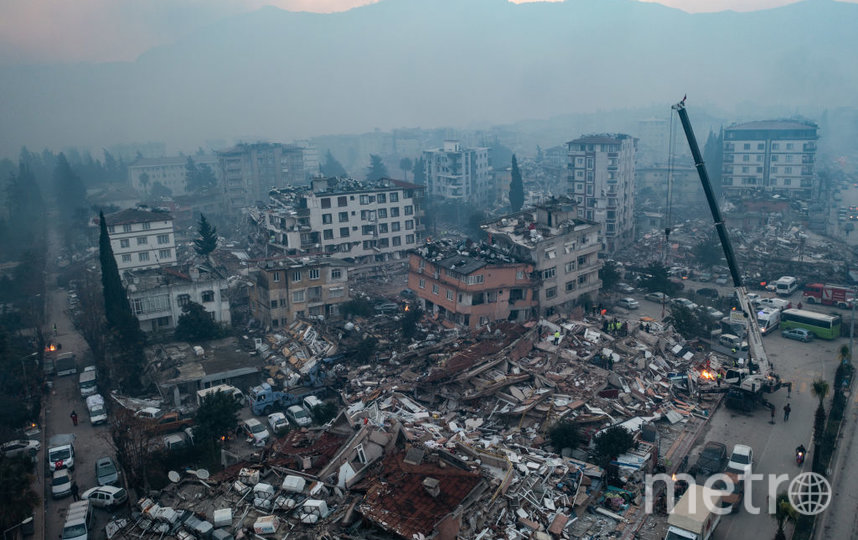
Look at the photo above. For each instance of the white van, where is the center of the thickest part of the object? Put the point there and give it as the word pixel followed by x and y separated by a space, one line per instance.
pixel 97 412
pixel 768 319
pixel 311 402
pixel 78 521
pixel 786 285
pixel 87 383
pixel 205 392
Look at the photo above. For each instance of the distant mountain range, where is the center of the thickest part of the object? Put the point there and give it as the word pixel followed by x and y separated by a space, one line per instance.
pixel 281 75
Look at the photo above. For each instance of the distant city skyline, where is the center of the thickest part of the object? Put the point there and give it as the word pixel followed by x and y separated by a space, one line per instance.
pixel 55 31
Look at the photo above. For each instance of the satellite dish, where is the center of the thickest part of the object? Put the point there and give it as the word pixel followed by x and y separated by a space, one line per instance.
pixel 174 476
pixel 202 474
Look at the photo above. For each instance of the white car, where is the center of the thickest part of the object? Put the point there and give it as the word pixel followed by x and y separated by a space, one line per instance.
pixel 714 313
pixel 657 297
pixel 277 421
pixel 684 302
pixel 628 303
pixel 741 460
pixel 625 288
pixel 24 447
pixel 61 484
pixel 255 431
pixel 105 496
pixel 299 416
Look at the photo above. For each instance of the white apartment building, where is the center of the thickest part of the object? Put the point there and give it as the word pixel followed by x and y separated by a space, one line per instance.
pixel 601 178
pixel 170 172
pixel 774 156
pixel 564 251
pixel 458 173
pixel 141 239
pixel 347 219
pixel 157 296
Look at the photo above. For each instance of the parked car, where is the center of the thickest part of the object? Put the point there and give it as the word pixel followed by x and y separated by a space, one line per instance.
pixel 255 431
pixel 407 293
pixel 799 334
pixel 105 496
pixel 387 307
pixel 106 472
pixel 149 413
pixel 741 460
pixel 713 313
pixel 684 302
pixel 754 298
pixel 721 281
pixel 658 297
pixel 625 288
pixel 61 483
pixel 704 276
pixel 18 448
pixel 299 416
pixel 713 459
pixel 277 421
pixel 708 292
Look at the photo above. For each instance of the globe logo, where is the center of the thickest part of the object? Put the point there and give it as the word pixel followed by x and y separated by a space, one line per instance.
pixel 809 493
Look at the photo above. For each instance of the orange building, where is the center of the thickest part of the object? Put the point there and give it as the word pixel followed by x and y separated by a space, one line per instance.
pixel 471 288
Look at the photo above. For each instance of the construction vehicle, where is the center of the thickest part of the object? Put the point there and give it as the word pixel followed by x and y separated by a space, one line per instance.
pixel 756 375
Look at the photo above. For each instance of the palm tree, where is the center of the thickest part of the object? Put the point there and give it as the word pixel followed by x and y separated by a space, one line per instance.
pixel 783 511
pixel 820 390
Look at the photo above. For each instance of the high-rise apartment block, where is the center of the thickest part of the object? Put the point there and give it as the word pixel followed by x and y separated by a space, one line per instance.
pixel 141 238
pixel 458 173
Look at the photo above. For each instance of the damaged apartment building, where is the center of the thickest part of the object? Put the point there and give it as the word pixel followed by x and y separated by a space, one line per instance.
pixel 365 223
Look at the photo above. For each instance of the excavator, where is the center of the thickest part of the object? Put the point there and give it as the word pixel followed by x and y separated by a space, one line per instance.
pixel 757 377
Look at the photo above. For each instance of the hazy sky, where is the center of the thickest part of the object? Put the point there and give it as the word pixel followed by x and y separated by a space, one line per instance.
pixel 61 31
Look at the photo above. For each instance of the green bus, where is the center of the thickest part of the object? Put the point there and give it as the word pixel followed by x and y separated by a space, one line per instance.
pixel 821 324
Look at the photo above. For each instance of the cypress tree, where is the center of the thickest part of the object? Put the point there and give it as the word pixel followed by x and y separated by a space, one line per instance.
pixel 115 301
pixel 207 241
pixel 516 188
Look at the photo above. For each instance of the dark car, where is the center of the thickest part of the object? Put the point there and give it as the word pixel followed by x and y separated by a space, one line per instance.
pixel 799 334
pixel 708 292
pixel 713 459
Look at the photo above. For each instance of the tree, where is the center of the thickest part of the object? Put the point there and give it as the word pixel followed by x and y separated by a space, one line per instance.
pixel 17 498
pixel 516 188
pixel 564 434
pixel 689 323
pixel 657 280
pixel 195 324
pixel 358 307
pixel 68 187
pixel 160 191
pixel 410 320
pixel 331 168
pixel 611 443
pixel 198 177
pixel 144 181
pixel 609 275
pixel 784 511
pixel 376 170
pixel 130 436
pixel 115 302
pixel 819 388
pixel 419 171
pixel 365 350
pixel 405 164
pixel 206 242
pixel 708 252
pixel 215 420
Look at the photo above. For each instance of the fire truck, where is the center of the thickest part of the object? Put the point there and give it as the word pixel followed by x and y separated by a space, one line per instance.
pixel 828 295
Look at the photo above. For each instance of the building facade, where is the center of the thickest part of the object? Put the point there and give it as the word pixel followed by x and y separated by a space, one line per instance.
pixel 157 296
pixel 141 239
pixel 458 173
pixel 170 172
pixel 601 178
pixel 563 249
pixel 288 288
pixel 471 290
pixel 346 219
pixel 775 156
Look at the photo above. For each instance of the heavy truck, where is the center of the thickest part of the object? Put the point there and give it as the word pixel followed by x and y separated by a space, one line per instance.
pixel 756 375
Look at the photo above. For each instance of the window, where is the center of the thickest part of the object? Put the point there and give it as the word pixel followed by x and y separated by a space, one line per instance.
pixel 336 273
pixel 364 199
pixel 394 197
pixel 183 300
pixel 409 210
pixel 394 212
pixel 273 304
pixel 124 243
pixel 282 302
pixel 344 232
pixel 126 228
pixel 296 275
pixel 570 267
pixel 164 254
pixel 276 277
pixel 326 202
pixel 368 229
pixel 126 258
pixel 111 229
pixel 143 257
pixel 761 146
pixel 570 286
pixel 342 201
pixel 409 224
pixel 163 238
pixel 434 288
pixel 328 234
pixel 383 242
pixel 472 280
pixel 327 219
pixel 582 260
pixel 298 296
pixel 409 239
pixel 381 198
pixel 394 227
pixel 422 283
pixel 208 296
pixel 776 146
pixel 344 217
pixel 551 292
pixel 147 226
pixel 314 273
pixel 449 295
pixel 549 273
pixel 746 157
pixel 787 170
pixel 396 241
pixel 382 228
pixel 336 292
pixel 382 213
pixel 582 279
pixel 774 158
pixel 550 254
pixel 142 240
pixel 746 146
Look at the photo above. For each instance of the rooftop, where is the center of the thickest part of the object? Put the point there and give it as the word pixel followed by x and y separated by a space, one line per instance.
pixel 463 257
pixel 600 139
pixel 136 215
pixel 774 124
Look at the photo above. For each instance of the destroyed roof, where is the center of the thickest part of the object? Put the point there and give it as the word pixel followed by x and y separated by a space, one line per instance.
pixel 505 334
pixel 397 500
pixel 318 447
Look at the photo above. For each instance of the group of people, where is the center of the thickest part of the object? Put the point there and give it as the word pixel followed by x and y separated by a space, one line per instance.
pixel 615 327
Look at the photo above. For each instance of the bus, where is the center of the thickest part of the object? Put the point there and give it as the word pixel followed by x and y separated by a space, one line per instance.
pixel 822 325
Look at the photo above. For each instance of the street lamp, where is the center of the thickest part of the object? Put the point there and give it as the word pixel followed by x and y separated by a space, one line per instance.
pixel 27 521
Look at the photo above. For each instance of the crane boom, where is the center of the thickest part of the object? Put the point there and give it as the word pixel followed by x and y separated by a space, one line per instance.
pixel 764 379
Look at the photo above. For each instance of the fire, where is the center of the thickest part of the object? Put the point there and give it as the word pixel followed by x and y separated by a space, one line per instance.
pixel 406 308
pixel 707 375
pixel 51 347
pixel 673 477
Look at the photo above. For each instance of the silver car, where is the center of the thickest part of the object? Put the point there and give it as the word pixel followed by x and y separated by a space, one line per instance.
pixel 628 303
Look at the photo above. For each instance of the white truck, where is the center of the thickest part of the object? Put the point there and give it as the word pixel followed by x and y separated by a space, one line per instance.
pixel 97 412
pixel 61 452
pixel 79 522
pixel 693 518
